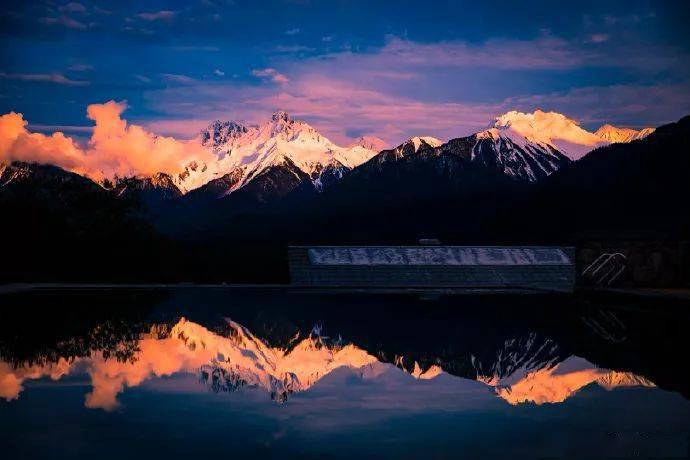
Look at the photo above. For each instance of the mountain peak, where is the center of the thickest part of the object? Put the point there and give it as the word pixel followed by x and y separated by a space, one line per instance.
pixel 373 143
pixel 614 134
pixel 219 132
pixel 280 145
pixel 417 141
pixel 281 115
pixel 535 124
pixel 550 128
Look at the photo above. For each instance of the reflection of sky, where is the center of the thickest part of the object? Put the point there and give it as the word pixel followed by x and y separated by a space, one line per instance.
pixel 343 416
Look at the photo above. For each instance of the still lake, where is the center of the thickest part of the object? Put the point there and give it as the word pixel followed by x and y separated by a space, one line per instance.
pixel 278 373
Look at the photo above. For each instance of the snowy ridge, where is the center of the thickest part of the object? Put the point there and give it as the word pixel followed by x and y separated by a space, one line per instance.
pixel 614 135
pixel 548 129
pixel 418 141
pixel 408 149
pixel 372 143
pixel 502 150
pixel 524 146
pixel 246 151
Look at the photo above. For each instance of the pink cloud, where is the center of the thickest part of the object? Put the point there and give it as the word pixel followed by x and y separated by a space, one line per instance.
pixel 352 93
pixel 271 74
pixel 407 88
pixel 334 106
pixel 115 147
pixel 18 144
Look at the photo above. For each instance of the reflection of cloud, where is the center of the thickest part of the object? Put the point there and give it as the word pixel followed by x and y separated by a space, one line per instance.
pixel 188 348
pixel 11 379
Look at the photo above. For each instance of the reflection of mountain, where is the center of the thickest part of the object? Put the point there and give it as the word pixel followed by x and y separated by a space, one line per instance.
pixel 523 370
pixel 245 360
pixel 557 383
pixel 517 357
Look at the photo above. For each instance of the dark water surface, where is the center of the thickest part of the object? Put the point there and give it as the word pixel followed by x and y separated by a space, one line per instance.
pixel 211 373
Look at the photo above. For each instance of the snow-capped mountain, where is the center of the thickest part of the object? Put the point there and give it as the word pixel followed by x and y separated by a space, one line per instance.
pixel 286 153
pixel 372 143
pixel 548 130
pixel 523 146
pixel 615 135
pixel 283 144
pixel 562 133
pixel 407 149
pixel 495 150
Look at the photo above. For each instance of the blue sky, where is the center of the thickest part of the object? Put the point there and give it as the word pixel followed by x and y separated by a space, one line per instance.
pixel 390 69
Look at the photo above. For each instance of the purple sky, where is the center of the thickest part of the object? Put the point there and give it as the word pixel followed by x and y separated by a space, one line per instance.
pixel 393 69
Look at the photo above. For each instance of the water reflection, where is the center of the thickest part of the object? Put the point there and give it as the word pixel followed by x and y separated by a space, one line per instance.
pixel 194 372
pixel 527 369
